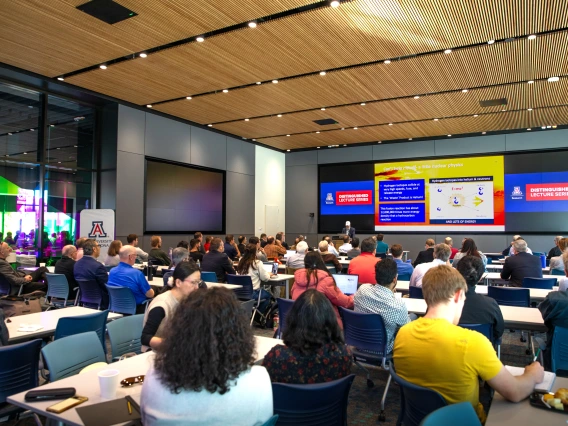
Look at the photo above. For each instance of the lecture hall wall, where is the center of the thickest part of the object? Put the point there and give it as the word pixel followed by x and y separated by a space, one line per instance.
pixel 302 181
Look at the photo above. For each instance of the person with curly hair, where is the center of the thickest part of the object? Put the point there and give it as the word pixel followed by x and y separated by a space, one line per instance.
pixel 314 350
pixel 202 373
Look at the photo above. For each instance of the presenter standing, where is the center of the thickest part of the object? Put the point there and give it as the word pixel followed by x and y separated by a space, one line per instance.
pixel 348 230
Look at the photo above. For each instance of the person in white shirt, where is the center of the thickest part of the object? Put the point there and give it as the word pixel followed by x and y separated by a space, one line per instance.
pixel 442 253
pixel 250 265
pixel 141 255
pixel 346 246
pixel 296 260
pixel 563 281
pixel 331 248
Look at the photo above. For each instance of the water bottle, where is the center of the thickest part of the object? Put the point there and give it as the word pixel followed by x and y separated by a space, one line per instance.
pixel 150 271
pixel 199 264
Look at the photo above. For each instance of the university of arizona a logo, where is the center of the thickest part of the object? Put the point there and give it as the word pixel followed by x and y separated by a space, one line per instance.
pixel 97 230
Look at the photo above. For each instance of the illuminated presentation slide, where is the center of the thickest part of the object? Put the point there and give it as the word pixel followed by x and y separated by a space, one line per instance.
pixel 537 192
pixel 445 194
pixel 349 198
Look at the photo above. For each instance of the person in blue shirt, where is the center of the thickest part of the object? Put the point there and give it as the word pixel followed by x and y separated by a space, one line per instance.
pixel 382 247
pixel 402 267
pixel 124 275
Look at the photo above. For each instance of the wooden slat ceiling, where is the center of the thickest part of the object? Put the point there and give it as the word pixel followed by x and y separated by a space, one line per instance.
pixel 53 38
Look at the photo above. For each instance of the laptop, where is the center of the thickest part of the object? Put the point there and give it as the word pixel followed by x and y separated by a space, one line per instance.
pixel 346 283
pixel 289 253
pixel 270 267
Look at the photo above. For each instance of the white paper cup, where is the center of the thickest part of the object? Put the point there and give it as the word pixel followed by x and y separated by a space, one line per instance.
pixel 42 264
pixel 108 381
pixel 144 263
pixel 398 295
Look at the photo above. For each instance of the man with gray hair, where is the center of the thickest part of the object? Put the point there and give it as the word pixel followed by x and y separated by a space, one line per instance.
pixel 90 269
pixel 296 260
pixel 509 250
pixel 179 254
pixel 555 251
pixel 521 264
pixel 442 253
pixel 65 267
pixel 124 275
pixel 328 257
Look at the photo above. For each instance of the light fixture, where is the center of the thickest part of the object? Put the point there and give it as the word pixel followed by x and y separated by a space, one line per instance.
pixel 363 104
pixel 532 37
pixel 344 144
pixel 58 148
pixel 25 153
pixel 254 140
pixel 188 98
pixel 210 125
pixel 335 3
pixel 143 55
pixel 9 134
pixel 323 73
pixel 390 124
pixel 148 106
pixel 200 39
pixel 553 79
pixel 287 150
pixel 252 24
pixel 32 130
pixel 225 90
pixel 279 115
pixel 435 119
pixel 529 129
pixel 52 125
pixel 476 115
pixel 409 139
pixel 288 135
pixel 59 162
pixel 103 67
pixel 246 119
pixel 491 42
pixel 548 127
pixel 530 81
pixel 318 132
pixel 503 110
pixel 318 147
pixel 355 128
pixel 417 97
pixel 259 82
pixel 60 78
pixel 529 109
pixel 275 81
pixel 379 141
pixel 387 61
pixel 555 126
pixel 448 51
pixel 323 109
pixel 449 136
pixel 464 90
pixel 483 133
pixel 543 127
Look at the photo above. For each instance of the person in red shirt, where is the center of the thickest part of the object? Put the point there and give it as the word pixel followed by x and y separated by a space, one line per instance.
pixel 364 264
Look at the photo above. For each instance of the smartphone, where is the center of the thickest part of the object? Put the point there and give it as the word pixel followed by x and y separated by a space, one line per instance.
pixel 275 268
pixel 62 406
pixel 49 394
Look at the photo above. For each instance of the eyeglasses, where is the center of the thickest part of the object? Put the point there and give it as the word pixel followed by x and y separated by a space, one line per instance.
pixel 129 381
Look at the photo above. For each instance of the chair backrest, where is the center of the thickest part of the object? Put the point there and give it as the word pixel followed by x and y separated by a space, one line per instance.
pixel 69 326
pixel 210 277
pixel 245 292
pixel 121 300
pixel 560 349
pixel 559 272
pixel 5 286
pixel 57 286
pixel 544 283
pixel 125 334
pixel 381 255
pixel 403 277
pixel 538 253
pixel 415 292
pixel 90 293
pixel 364 331
pixel 322 404
pixel 485 329
pixel 461 414
pixel 18 368
pixel 169 273
pixel 247 307
pixel 509 296
pixel 68 356
pixel 284 306
pixel 271 421
pixel 416 401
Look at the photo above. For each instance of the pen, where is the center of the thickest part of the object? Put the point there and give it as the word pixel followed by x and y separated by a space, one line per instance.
pixel 129 407
pixel 536 355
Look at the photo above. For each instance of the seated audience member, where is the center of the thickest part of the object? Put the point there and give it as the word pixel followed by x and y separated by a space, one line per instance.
pixel 9 240
pixel 156 253
pixel 314 350
pixel 282 238
pixel 186 278
pixel 556 262
pixel 207 244
pixel 355 250
pixel 331 247
pixel 124 275
pixel 469 248
pixel 203 373
pixel 263 240
pixel 273 248
pixel 231 249
pixel 554 311
pixel 426 255
pixel 141 255
pixel 251 266
pixel 293 246
pixel 520 265
pixel 79 244
pixel 194 251
pixel 89 268
pixel 65 267
pixel 112 253
pixel 441 256
pixel 380 299
pixel 435 353
pixel 183 244
pixel 328 257
pixel 555 251
pixel 479 309
pixel 345 247
pixel 403 268
pixel 382 247
pixel 242 244
pixel 217 261
pixel 199 236
pixel 296 260
pixel 316 276
pixel 17 278
pixel 450 243
pixel 509 250
pixel 364 264
pixel 259 250
pixel 179 254
pixel 563 281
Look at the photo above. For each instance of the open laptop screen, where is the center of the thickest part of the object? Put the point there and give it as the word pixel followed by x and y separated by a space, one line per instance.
pixel 346 283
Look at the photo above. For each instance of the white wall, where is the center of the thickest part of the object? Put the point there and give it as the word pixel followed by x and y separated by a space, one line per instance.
pixel 270 181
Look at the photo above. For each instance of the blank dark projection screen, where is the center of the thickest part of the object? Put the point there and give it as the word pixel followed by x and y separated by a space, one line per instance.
pixel 182 199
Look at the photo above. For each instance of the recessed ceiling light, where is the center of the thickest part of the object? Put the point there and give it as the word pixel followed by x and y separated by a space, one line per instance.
pixel 32 130
pixel 318 147
pixel 483 133
pixel 435 119
pixel 52 125
pixel 252 24
pixel 259 82
pixel 149 106
pixel 288 135
pixel 379 141
pixel 529 129
pixel 548 127
pixel 188 98
pixel 143 55
pixel 344 144
pixel 530 81
pixel 210 125
pixel 491 42
pixel 476 115
pixel 323 109
pixel 246 119
pixel 503 110
pixel 318 131
pixel 417 97
pixel 355 128
pixel 390 124
pixel 555 126
pixel 447 51
pixel 363 104
pixel 409 139
pixel 58 148
pixel 387 61
pixel 103 67
pixel 225 90
pixel 529 109
pixel 9 134
pixel 200 39
pixel 279 115
pixel 335 3
pixel 275 81
pixel 464 90
pixel 60 78
pixel 254 140
pixel 449 136
pixel 287 150
pixel 25 153
pixel 323 73
pixel 543 127
pixel 553 79
pixel 532 37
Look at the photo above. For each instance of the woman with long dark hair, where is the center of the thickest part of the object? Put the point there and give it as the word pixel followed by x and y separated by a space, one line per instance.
pixel 468 249
pixel 202 372
pixel 314 350
pixel 315 275
pixel 250 265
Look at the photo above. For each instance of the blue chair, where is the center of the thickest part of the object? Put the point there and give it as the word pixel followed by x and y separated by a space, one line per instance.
pixel 559 349
pixel 543 283
pixel 5 286
pixel 271 421
pixel 415 292
pixel 284 306
pixel 89 294
pixel 321 404
pixel 416 402
pixel 167 274
pixel 209 277
pixel 367 337
pixel 461 414
pixel 403 277
pixel 68 356
pixel 125 334
pixel 57 288
pixel 538 253
pixel 18 372
pixel 109 267
pixel 122 300
pixel 245 293
pixel 69 326
pixel 247 307
pixel 509 296
pixel 559 272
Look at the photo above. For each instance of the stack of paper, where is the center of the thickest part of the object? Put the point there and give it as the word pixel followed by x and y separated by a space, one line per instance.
pixel 544 386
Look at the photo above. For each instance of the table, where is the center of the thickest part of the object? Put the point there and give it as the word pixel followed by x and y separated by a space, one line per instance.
pixel 499 267
pixel 505 413
pixel 87 384
pixel 496 276
pixel 51 269
pixel 48 320
pixel 282 280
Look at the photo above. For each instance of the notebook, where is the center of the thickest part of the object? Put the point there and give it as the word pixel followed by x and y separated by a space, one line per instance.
pixel 544 386
pixel 108 413
pixel 346 283
pixel 28 328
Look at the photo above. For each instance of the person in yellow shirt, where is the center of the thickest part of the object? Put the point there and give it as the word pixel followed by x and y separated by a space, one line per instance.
pixel 434 352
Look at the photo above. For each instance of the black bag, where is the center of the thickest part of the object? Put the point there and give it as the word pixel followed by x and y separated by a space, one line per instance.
pixel 14 306
pixel 4 335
